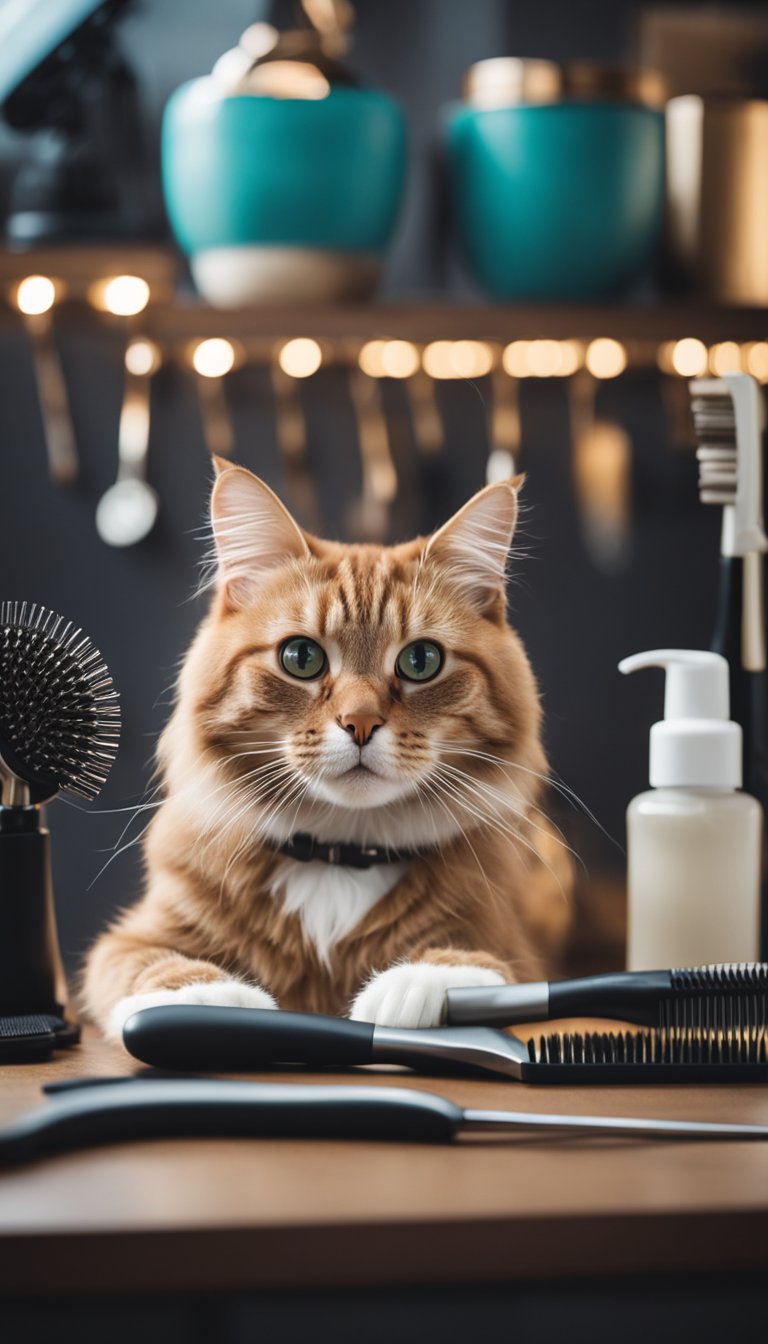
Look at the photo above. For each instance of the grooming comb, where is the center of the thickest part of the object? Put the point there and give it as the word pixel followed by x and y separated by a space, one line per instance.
pixel 706 997
pixel 241 1040
pixel 113 1111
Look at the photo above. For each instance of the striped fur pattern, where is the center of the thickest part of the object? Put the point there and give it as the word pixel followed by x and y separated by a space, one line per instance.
pixel 252 755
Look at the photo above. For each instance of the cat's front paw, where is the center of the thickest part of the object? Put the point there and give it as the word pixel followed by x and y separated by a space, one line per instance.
pixel 220 993
pixel 413 995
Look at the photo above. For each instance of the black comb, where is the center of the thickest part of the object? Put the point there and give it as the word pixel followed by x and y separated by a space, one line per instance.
pixel 28 1037
pixel 705 997
pixel 59 712
pixel 675 1055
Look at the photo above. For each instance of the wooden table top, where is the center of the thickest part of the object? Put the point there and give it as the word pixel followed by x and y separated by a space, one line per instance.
pixel 227 1214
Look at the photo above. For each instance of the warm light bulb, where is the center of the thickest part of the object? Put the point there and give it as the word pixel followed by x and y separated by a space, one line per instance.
pixel 570 358
pixel 544 359
pixel 36 294
pixel 300 358
pixel 665 356
pixel 689 357
pixel 214 357
pixel 122 295
pixel 399 359
pixel 471 359
pixel 725 358
pixel 436 360
pixel 142 357
pixel 605 358
pixel 756 359
pixel 515 359
pixel 371 358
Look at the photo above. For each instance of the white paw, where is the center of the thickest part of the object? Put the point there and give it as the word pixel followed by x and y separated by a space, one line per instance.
pixel 220 993
pixel 413 995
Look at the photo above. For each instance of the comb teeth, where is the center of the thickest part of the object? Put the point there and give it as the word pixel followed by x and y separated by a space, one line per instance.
pixel 673 1046
pixel 59 712
pixel 714 422
pixel 720 977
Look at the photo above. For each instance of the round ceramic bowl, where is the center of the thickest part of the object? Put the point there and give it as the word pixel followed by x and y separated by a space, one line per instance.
pixel 559 200
pixel 282 199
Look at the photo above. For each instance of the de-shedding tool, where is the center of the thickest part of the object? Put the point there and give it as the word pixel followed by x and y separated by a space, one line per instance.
pixel 59 728
pixel 128 1109
pixel 209 1039
pixel 699 998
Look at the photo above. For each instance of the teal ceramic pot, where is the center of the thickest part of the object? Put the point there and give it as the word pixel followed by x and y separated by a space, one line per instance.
pixel 282 198
pixel 557 201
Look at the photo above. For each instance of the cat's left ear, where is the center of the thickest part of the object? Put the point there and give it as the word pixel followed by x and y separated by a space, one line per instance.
pixel 253 531
pixel 472 547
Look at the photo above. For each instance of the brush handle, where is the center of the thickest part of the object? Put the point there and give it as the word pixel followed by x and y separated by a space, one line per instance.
pixel 30 972
pixel 206 1107
pixel 237 1040
pixel 625 997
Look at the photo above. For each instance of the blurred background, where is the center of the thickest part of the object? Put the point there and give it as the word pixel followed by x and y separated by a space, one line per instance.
pixel 377 280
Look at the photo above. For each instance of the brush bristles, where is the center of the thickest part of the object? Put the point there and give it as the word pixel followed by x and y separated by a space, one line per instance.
pixel 59 711
pixel 729 977
pixel 673 1046
pixel 714 422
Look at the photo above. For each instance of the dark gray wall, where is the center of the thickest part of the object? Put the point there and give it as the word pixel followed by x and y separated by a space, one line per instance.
pixel 136 604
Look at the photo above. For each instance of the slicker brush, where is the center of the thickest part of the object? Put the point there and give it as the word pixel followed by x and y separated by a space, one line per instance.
pixel 59 730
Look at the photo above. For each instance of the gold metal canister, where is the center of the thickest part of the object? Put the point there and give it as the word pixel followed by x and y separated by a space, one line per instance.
pixel 717 195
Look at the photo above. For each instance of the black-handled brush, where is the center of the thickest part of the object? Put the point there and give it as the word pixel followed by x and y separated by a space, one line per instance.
pixel 59 730
pixel 205 1038
pixel 116 1111
pixel 701 997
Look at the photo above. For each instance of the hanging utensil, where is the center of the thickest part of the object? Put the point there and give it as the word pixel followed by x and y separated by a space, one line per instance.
pixel 505 437
pixel 212 360
pixel 127 511
pixel 602 460
pixel 370 516
pixel 291 430
pixel 35 298
pixel 425 413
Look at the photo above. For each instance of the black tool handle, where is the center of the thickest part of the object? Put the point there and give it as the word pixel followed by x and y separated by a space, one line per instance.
pixel 216 1108
pixel 237 1040
pixel 29 955
pixel 627 996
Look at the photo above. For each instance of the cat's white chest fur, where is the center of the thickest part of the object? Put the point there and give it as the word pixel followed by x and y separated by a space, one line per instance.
pixel 331 901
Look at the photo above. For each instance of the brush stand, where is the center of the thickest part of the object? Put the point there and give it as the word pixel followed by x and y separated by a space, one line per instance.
pixel 31 975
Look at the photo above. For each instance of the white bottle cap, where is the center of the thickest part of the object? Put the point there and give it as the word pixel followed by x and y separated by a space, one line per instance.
pixel 696 745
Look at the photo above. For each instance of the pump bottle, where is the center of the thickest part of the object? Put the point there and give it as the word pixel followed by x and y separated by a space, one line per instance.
pixel 693 840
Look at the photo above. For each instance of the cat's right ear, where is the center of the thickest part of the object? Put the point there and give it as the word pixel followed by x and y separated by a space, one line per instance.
pixel 253 532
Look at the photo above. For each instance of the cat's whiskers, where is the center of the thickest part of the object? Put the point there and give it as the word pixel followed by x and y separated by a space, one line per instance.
pixel 480 788
pixel 494 821
pixel 428 785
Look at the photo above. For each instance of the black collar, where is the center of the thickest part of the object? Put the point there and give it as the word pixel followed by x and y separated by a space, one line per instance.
pixel 306 849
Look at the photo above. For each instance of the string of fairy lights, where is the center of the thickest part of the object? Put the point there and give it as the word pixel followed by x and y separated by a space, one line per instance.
pixel 302 356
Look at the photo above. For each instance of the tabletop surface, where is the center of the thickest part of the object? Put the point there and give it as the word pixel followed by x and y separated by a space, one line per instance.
pixel 237 1213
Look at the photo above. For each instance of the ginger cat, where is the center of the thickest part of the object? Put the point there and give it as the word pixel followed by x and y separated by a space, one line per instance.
pixel 363 696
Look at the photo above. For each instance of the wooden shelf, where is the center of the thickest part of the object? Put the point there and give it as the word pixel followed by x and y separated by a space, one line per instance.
pixel 429 321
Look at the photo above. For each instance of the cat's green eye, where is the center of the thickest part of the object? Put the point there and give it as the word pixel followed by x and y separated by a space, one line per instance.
pixel 419 661
pixel 302 658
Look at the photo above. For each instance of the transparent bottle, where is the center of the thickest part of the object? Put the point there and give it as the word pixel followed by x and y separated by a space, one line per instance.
pixel 693 840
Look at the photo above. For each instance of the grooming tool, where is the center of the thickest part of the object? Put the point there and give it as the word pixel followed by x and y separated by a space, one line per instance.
pixel 371 514
pixel 113 1112
pixel 238 1040
pixel 127 511
pixel 59 729
pixel 504 430
pixel 729 419
pixel 699 997
pixel 291 428
pixel 32 1037
pixel 53 397
pixel 601 473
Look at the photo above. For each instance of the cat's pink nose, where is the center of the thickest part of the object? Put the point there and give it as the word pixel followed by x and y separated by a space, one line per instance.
pixel 361 726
